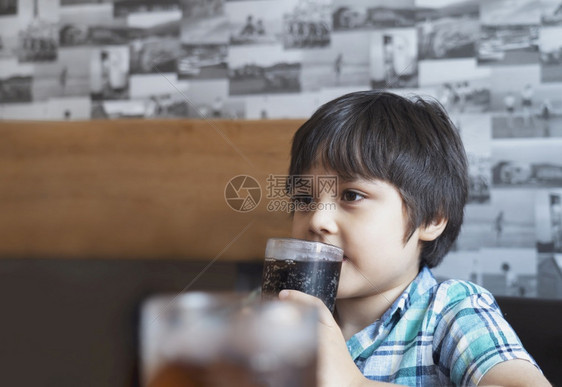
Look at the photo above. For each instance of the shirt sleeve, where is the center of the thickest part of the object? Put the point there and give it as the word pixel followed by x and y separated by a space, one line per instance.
pixel 472 336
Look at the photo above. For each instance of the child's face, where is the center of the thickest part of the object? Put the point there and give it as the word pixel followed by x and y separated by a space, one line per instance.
pixel 368 221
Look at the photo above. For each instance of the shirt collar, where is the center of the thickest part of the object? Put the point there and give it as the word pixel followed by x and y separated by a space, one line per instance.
pixel 420 285
pixel 365 341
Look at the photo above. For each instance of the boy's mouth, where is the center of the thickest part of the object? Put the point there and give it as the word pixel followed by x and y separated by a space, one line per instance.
pixel 345 258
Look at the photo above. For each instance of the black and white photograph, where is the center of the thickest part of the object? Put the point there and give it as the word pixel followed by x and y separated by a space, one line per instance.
pixel 115 33
pixel 75 2
pixel 507 84
pixel 203 61
pixel 133 108
pixel 551 54
pixel 510 12
pixel 527 163
pixel 145 85
pixel 344 62
pixel 124 8
pixel 68 76
pixel 16 82
pixel 162 22
pixel 281 106
pixel 503 271
pixel 508 220
pixel 476 133
pixel 201 9
pixel 551 12
pixel 459 84
pixel 9 39
pixel 69 108
pixel 372 14
pixel 535 112
pixel 32 111
pixel 79 24
pixel 308 25
pixel 550 275
pixel 509 34
pixel 154 55
pixel 235 108
pixel 38 36
pixel 549 242
pixel 264 69
pixel 8 7
pixel 508 45
pixel 156 46
pixel 204 22
pixel 208 99
pixel 109 72
pixel 523 107
pixel 161 106
pixel 47 10
pixel 549 220
pixel 447 28
pixel 461 264
pixel 137 29
pixel 257 21
pixel 394 58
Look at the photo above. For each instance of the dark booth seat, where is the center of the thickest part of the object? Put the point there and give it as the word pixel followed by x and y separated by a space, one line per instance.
pixel 68 322
pixel 538 322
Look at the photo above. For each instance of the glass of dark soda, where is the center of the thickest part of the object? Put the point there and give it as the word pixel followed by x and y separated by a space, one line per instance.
pixel 311 267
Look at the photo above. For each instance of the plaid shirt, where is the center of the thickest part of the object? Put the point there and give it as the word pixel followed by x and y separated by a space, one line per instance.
pixel 434 334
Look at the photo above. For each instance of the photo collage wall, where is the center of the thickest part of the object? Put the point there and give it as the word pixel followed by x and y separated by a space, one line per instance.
pixel 495 65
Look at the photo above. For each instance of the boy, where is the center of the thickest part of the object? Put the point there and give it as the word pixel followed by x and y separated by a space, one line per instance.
pixel 402 186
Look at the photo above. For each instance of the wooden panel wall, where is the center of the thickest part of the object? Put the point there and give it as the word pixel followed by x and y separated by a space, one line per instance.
pixel 137 189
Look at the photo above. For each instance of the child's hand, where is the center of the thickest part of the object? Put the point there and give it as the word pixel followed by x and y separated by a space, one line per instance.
pixel 335 366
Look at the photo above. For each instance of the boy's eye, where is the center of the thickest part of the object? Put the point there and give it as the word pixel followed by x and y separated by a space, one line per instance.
pixel 351 196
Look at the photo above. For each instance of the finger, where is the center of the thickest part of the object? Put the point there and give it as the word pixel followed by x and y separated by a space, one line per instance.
pixel 324 314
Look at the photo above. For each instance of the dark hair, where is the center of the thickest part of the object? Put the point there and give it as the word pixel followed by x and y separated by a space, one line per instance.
pixel 409 143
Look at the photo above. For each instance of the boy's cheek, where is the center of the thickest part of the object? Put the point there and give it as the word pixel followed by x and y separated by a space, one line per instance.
pixel 297 227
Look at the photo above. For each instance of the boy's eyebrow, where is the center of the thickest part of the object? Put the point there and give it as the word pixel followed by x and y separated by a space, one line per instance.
pixel 358 180
pixel 338 177
pixel 347 179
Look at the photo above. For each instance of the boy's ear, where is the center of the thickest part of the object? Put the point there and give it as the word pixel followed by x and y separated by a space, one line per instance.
pixel 433 230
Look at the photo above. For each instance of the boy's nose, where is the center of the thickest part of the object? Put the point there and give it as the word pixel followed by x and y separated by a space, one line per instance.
pixel 323 220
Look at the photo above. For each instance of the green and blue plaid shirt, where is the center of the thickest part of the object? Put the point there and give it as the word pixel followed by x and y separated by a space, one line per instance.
pixel 436 334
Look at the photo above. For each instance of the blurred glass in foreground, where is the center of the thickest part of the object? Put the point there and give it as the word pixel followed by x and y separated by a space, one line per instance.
pixel 227 339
